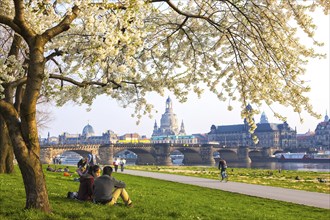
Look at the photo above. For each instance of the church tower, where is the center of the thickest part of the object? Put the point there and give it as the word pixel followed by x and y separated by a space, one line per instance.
pixel 326 117
pixel 182 130
pixel 156 130
pixel 263 118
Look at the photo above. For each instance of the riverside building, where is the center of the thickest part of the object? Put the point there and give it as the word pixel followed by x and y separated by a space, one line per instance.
pixel 269 135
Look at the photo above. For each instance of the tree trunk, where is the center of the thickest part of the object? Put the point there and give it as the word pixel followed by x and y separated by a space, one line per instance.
pixel 34 182
pixel 6 150
pixel 28 161
pixel 21 122
pixel 23 130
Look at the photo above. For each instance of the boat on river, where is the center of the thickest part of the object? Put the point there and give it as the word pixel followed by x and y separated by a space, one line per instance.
pixel 304 157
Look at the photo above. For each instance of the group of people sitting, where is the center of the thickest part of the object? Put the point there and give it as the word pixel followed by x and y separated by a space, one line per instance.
pixel 97 188
pixel 66 169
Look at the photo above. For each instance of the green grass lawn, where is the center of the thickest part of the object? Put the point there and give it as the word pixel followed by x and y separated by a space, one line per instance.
pixel 292 179
pixel 153 199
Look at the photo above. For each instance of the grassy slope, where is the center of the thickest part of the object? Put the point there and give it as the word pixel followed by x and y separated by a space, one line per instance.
pixel 153 199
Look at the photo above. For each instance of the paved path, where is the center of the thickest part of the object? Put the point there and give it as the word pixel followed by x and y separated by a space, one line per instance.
pixel 320 200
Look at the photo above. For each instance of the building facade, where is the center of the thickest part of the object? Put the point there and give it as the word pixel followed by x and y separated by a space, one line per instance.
pixel 322 134
pixel 86 137
pixel 269 135
pixel 305 140
pixel 133 138
pixel 318 139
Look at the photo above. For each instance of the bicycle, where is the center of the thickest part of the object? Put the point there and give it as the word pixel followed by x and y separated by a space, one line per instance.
pixel 224 176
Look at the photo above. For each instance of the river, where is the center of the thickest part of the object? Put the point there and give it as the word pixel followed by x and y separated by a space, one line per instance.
pixel 317 167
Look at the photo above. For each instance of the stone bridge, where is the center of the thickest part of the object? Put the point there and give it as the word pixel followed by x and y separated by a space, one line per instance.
pixel 159 154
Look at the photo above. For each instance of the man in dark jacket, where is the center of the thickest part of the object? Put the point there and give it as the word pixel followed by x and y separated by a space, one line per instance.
pixel 107 189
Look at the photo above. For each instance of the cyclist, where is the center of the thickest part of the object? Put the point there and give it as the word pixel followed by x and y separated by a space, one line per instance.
pixel 222 167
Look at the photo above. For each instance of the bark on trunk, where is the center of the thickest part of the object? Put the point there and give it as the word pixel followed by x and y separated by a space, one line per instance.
pixel 28 161
pixel 6 149
pixel 34 182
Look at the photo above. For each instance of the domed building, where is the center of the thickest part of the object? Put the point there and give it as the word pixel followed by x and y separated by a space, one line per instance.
pixel 88 131
pixel 88 137
pixel 169 131
pixel 168 122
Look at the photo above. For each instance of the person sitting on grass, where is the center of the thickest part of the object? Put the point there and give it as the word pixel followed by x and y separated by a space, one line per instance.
pixel 85 192
pixel 66 169
pixel 82 166
pixel 107 189
pixel 49 168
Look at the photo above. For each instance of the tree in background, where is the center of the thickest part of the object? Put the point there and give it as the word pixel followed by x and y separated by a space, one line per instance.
pixel 12 44
pixel 244 51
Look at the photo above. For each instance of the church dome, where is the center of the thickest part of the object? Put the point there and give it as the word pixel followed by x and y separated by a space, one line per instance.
pixel 88 130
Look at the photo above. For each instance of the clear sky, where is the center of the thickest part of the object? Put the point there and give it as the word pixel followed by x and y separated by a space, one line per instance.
pixel 198 115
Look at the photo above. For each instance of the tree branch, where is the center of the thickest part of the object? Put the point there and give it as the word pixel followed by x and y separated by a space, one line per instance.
pixel 83 83
pixel 64 25
pixel 19 20
pixel 54 54
pixel 10 22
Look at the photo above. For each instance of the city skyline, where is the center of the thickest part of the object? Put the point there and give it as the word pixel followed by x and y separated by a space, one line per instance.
pixel 198 114
pixel 120 124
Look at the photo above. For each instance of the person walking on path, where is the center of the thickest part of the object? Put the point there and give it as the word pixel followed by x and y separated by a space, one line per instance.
pixel 122 164
pixel 107 189
pixel 222 167
pixel 116 164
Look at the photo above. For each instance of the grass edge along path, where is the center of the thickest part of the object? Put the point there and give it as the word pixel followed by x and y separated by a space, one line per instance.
pixel 291 179
pixel 315 199
pixel 153 199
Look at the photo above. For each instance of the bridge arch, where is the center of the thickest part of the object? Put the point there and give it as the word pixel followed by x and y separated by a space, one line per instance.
pixel 255 153
pixel 157 153
pixel 278 151
pixel 191 156
pixel 129 156
pixel 228 155
pixel 144 157
pixel 48 153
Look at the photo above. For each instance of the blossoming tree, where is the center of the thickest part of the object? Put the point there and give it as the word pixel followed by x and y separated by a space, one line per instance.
pixel 65 50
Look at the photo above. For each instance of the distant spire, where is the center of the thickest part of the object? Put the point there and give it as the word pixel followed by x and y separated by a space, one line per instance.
pixel 263 118
pixel 326 117
pixel 182 130
pixel 168 105
pixel 248 107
